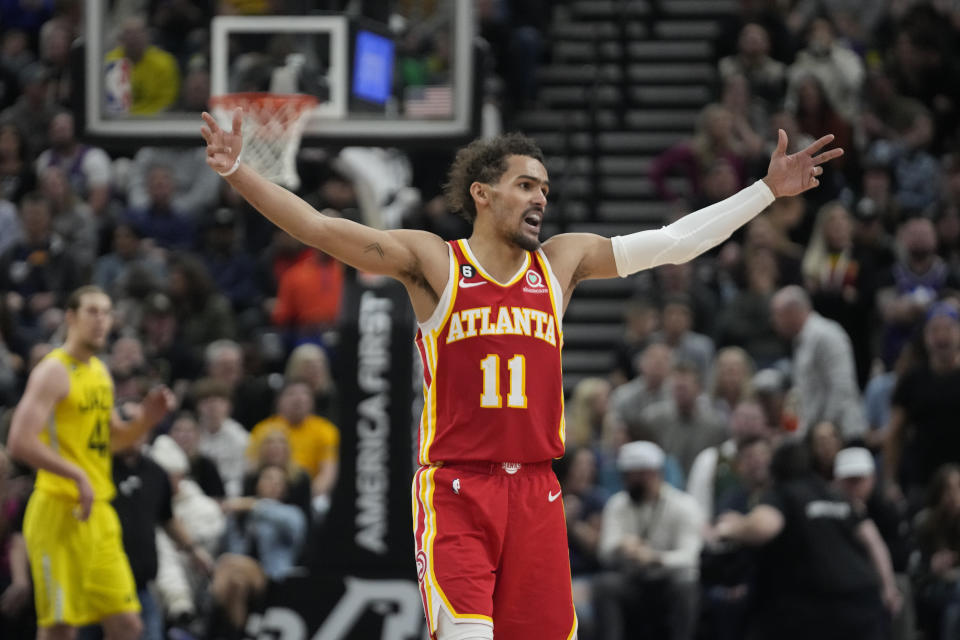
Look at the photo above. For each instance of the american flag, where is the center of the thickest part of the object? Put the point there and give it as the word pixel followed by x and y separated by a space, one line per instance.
pixel 428 102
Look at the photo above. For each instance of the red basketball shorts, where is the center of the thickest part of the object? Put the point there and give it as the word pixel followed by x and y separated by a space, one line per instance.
pixel 491 546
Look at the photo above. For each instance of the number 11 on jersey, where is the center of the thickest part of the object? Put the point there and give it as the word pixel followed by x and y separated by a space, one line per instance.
pixel 491 398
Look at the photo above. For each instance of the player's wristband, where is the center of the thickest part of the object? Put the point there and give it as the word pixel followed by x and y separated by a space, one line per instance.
pixel 232 170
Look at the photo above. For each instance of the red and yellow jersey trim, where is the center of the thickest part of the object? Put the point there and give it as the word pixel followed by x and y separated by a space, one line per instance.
pixel 472 259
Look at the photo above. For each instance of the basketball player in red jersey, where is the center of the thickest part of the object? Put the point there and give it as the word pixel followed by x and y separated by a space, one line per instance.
pixel 491 546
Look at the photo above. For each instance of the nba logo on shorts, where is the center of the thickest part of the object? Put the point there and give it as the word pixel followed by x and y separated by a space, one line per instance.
pixel 116 87
pixel 421 565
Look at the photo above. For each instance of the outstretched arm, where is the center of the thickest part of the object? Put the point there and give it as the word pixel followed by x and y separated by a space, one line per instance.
pixel 587 256
pixel 401 254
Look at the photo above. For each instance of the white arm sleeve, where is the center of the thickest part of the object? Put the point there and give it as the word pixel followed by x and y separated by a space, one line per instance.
pixel 692 234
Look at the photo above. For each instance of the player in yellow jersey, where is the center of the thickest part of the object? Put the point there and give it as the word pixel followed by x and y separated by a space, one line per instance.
pixel 66 427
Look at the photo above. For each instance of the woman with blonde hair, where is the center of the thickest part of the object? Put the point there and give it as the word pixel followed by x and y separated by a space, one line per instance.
pixel 585 411
pixel 842 280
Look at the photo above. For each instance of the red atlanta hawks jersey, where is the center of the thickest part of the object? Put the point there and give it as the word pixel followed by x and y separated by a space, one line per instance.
pixel 492 379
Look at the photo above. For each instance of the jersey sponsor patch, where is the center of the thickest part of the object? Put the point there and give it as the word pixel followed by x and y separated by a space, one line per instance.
pixel 533 282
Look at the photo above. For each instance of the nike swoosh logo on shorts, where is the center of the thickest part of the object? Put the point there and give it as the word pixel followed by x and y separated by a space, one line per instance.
pixel 551 496
pixel 467 285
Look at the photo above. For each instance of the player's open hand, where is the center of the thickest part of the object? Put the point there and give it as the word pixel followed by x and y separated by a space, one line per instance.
pixel 791 174
pixel 157 404
pixel 223 147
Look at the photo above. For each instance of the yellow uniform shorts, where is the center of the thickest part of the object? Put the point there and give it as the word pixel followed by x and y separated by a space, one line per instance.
pixel 80 571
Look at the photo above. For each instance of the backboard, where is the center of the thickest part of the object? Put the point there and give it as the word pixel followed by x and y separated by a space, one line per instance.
pixel 376 83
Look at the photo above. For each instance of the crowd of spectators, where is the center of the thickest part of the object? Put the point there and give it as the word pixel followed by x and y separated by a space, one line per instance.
pixel 777 436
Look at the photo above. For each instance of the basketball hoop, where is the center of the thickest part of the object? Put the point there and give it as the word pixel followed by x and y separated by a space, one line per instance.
pixel 272 128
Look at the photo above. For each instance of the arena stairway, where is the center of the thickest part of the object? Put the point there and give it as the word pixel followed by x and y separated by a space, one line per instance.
pixel 623 83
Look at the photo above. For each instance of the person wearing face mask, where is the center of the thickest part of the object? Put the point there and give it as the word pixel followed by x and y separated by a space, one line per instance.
pixel 650 540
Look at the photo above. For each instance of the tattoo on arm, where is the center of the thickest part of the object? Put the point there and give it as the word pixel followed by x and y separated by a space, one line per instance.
pixel 374 247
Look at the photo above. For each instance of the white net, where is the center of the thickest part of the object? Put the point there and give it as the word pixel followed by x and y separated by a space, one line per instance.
pixel 272 127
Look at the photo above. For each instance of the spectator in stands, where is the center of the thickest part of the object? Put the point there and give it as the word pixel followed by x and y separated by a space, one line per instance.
pixel 33 110
pixel 766 76
pixel 730 379
pixel 641 319
pixel 922 435
pixel 144 503
pixel 824 442
pixel 193 191
pixel 274 450
pixel 583 503
pixel 814 578
pixel 677 332
pixel 824 373
pixel 251 396
pixel 750 122
pixel 650 386
pixel 86 167
pixel 764 235
pixel 728 574
pixel 203 313
pixel 938 579
pixel 713 471
pixel 72 218
pixel 183 576
pixel 14 55
pixel 854 473
pixel 158 325
pixel 886 114
pixel 265 527
pixel 870 238
pixel 37 272
pixel 233 270
pixel 842 281
pixel 310 363
pixel 650 540
pixel 203 470
pixel 17 177
pixel 314 441
pixel 671 280
pixel 585 411
pixel 770 391
pixel 685 424
pixel 11 362
pixel 947 220
pixel 56 38
pixel 712 141
pixel 837 69
pixel 221 438
pixel 160 219
pixel 129 260
pixel 154 74
pixel 917 171
pixel 745 320
pixel 816 114
pixel 918 278
pixel 128 368
pixel 309 296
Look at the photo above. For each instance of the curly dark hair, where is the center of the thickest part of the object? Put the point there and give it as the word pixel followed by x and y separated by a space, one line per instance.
pixel 483 161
